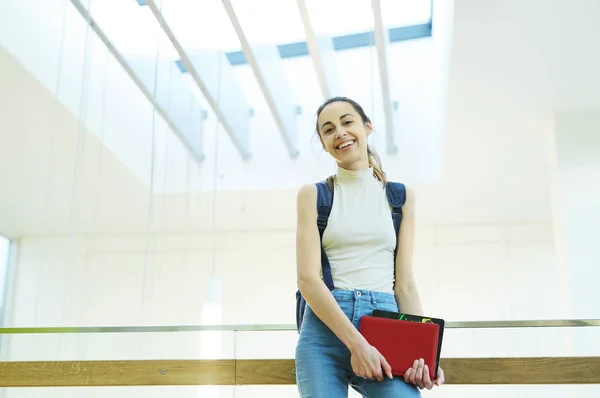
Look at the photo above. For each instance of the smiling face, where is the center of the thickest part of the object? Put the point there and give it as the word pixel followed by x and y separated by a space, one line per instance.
pixel 344 133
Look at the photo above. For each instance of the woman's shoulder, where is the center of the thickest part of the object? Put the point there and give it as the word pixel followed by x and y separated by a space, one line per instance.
pixel 307 196
pixel 307 192
pixel 306 202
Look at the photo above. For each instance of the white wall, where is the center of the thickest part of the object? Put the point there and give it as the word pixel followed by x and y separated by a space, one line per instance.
pixel 483 254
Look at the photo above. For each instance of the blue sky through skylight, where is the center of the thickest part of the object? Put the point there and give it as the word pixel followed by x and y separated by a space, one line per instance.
pixel 205 25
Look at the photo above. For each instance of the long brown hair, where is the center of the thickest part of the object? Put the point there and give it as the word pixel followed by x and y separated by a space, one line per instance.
pixel 374 159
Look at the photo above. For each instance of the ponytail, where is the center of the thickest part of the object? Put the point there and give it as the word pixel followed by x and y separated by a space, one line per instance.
pixel 375 163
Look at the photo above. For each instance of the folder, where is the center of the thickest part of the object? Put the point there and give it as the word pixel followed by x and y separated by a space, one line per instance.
pixel 401 342
pixel 417 318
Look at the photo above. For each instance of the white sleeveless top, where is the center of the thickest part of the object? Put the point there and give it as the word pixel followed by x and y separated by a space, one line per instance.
pixel 360 239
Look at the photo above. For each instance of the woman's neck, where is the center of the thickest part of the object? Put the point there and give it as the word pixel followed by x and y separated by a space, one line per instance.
pixel 354 177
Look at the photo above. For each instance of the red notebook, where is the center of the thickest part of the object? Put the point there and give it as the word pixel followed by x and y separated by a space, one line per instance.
pixel 401 342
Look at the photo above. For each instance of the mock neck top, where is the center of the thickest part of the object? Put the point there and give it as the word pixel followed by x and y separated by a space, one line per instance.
pixel 360 239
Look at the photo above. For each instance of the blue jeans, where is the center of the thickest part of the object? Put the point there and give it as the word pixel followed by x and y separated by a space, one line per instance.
pixel 323 367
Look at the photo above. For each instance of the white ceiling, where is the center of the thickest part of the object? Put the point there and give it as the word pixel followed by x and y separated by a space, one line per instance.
pixel 513 64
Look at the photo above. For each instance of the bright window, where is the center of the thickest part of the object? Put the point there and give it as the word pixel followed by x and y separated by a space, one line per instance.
pixel 4 258
pixel 4 253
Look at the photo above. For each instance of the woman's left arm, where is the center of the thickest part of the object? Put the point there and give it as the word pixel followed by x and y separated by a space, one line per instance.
pixel 405 287
pixel 406 292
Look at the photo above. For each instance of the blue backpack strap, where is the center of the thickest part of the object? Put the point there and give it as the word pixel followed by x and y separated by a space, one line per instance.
pixel 324 204
pixel 396 195
pixel 300 307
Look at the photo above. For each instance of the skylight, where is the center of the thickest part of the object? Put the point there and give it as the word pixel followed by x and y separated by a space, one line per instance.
pixel 200 25
pixel 400 13
pixel 132 29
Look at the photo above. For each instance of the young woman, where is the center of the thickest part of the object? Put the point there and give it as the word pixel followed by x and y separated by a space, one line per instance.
pixel 359 242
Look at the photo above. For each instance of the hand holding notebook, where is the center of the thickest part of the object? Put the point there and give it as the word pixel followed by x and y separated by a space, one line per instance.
pixel 418 375
pixel 410 344
pixel 367 362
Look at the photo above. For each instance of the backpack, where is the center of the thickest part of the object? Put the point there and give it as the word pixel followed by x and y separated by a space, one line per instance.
pixel 396 195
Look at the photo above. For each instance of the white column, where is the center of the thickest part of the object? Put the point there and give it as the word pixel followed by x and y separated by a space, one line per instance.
pixel 210 345
pixel 211 342
pixel 576 197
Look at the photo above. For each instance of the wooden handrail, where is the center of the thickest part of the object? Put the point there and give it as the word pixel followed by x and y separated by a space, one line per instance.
pixel 464 371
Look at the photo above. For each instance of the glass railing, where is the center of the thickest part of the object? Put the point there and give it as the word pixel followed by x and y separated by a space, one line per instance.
pixel 482 359
pixel 522 338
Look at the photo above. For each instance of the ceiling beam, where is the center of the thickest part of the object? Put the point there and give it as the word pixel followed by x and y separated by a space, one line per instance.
pixel 322 51
pixel 173 95
pixel 188 131
pixel 219 86
pixel 381 42
pixel 268 71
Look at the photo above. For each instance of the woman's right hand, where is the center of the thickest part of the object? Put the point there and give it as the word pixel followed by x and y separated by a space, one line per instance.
pixel 367 362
